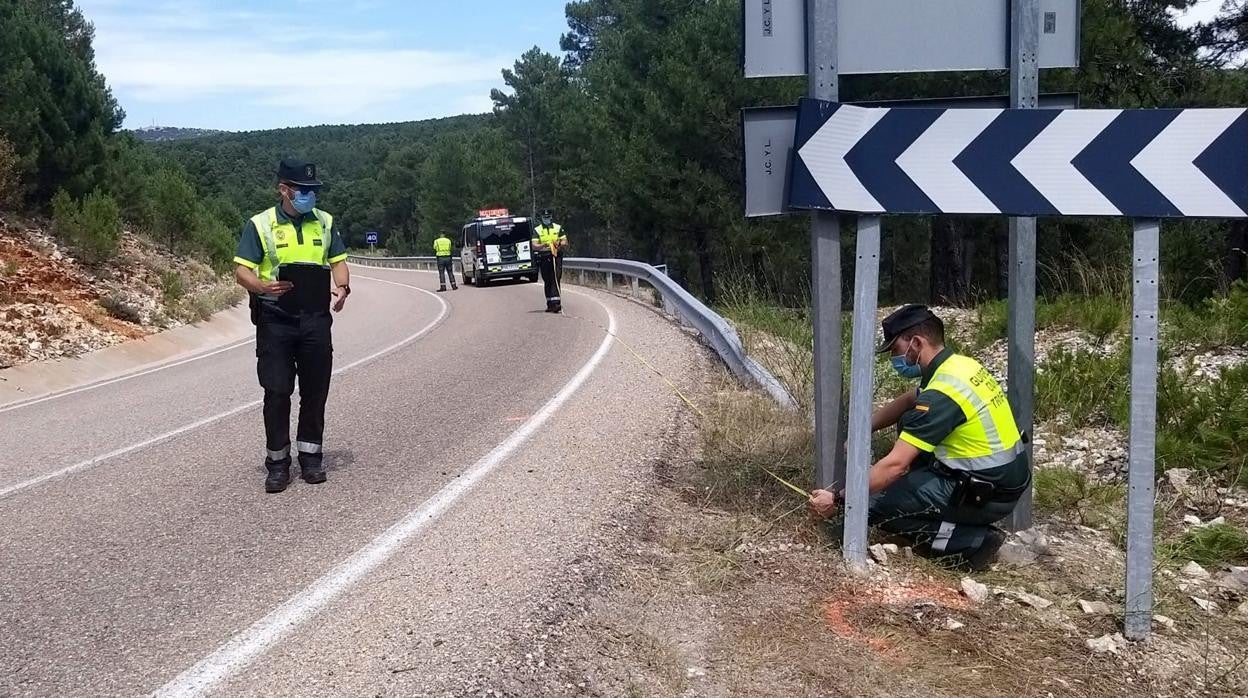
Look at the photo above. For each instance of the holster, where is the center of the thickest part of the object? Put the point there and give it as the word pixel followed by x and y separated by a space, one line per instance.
pixel 972 491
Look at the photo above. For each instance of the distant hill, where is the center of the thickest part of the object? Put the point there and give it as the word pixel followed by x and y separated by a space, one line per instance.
pixel 153 134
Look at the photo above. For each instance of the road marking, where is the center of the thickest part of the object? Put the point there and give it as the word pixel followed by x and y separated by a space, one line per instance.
pixel 125 377
pixel 7 490
pixel 242 649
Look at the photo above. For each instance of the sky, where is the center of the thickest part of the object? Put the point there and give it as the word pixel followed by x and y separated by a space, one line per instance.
pixel 241 65
pixel 246 65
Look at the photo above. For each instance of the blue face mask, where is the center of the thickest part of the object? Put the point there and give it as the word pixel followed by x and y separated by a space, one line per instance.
pixel 303 202
pixel 906 369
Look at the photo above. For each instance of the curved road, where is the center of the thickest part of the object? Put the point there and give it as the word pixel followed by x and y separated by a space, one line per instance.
pixel 471 439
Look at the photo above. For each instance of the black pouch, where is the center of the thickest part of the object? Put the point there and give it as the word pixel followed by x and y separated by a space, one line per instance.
pixel 972 491
pixel 253 304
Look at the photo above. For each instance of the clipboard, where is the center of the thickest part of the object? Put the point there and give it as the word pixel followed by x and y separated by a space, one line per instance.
pixel 310 292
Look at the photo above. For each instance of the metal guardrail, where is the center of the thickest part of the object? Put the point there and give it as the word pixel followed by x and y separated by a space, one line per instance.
pixel 677 302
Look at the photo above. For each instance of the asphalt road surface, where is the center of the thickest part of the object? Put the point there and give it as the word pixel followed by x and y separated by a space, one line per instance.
pixel 476 448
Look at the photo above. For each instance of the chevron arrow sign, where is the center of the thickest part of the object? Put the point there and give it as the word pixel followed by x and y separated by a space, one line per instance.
pixel 1139 163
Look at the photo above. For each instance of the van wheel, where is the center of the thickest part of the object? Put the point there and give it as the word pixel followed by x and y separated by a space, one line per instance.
pixel 479 281
pixel 532 278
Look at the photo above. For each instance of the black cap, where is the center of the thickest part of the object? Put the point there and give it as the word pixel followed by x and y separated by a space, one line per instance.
pixel 900 320
pixel 298 172
pixel 546 213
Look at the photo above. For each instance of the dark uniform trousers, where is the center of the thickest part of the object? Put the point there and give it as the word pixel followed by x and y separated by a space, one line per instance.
pixel 446 268
pixel 551 267
pixel 920 507
pixel 290 346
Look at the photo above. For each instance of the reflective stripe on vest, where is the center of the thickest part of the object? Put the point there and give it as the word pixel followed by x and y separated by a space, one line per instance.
pixel 989 437
pixel 291 251
pixel 442 247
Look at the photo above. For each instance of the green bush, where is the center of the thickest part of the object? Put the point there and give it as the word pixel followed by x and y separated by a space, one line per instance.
pixel 10 176
pixel 172 287
pixel 91 227
pixel 1211 545
pixel 1217 322
pixel 119 308
pixel 1204 424
pixel 1099 315
pixel 1086 386
pixel 993 322
pixel 1070 493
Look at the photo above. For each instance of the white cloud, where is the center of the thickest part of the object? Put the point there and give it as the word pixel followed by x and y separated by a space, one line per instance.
pixel 182 51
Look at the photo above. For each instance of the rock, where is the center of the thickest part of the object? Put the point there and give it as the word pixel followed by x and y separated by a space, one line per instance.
pixel 1236 579
pixel 1242 611
pixel 891 548
pixel 1178 478
pixel 879 554
pixel 951 624
pixel 1191 520
pixel 1034 539
pixel 1195 571
pixel 1206 605
pixel 1016 554
pixel 1036 602
pixel 974 591
pixel 1165 622
pixel 1095 608
pixel 1107 643
pixel 1214 522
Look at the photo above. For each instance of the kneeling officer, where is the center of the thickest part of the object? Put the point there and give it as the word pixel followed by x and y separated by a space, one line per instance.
pixel 286 258
pixel 959 463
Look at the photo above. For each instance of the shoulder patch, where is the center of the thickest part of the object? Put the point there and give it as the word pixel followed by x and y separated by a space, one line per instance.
pixel 922 408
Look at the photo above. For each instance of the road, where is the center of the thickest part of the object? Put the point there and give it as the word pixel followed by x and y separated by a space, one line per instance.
pixel 476 449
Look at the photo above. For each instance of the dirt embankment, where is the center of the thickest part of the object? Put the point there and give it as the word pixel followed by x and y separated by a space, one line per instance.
pixel 53 306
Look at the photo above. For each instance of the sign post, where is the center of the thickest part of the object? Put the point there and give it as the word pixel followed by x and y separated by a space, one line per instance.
pixel 1021 320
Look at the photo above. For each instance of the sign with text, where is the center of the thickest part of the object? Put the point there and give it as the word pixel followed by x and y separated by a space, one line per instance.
pixel 371 238
pixel 905 36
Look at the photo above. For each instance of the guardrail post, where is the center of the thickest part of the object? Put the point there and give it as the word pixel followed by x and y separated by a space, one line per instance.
pixel 636 288
pixel 861 389
pixel 610 282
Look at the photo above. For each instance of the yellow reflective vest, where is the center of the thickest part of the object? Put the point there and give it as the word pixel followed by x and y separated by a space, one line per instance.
pixel 442 247
pixel 552 237
pixel 282 243
pixel 988 438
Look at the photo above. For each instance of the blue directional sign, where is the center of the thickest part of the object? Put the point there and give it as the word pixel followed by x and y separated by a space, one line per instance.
pixel 370 238
pixel 1140 163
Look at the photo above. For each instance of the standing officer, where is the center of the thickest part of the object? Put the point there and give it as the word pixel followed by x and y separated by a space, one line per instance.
pixel 446 265
pixel 285 259
pixel 549 242
pixel 959 463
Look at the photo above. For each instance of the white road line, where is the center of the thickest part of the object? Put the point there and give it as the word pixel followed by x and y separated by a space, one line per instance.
pixel 147 371
pixel 242 649
pixel 125 377
pixel 7 490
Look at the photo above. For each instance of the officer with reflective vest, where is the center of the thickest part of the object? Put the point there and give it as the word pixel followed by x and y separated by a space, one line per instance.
pixel 446 264
pixel 549 243
pixel 286 258
pixel 959 463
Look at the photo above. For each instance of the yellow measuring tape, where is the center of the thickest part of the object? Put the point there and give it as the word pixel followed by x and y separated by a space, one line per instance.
pixel 685 398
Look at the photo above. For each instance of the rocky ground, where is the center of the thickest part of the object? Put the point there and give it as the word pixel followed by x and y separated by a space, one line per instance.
pixel 53 307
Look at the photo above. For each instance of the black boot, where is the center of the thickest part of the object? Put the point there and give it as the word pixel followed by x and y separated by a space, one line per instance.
pixel 980 558
pixel 279 475
pixel 441 289
pixel 312 470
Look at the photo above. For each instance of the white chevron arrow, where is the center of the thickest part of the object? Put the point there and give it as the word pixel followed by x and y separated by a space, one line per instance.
pixel 1168 162
pixel 929 161
pixel 1046 162
pixel 824 156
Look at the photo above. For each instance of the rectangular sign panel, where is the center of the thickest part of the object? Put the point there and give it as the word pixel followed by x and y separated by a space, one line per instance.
pixel 903 36
pixel 769 133
pixel 768 137
pixel 1138 163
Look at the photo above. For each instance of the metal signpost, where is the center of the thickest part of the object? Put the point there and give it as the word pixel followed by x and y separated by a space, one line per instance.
pixel 1021 162
pixel 1145 164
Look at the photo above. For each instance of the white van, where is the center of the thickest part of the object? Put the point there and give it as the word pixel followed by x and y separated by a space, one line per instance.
pixel 496 248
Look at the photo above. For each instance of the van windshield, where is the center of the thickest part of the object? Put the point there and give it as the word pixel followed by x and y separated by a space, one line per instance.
pixel 506 232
